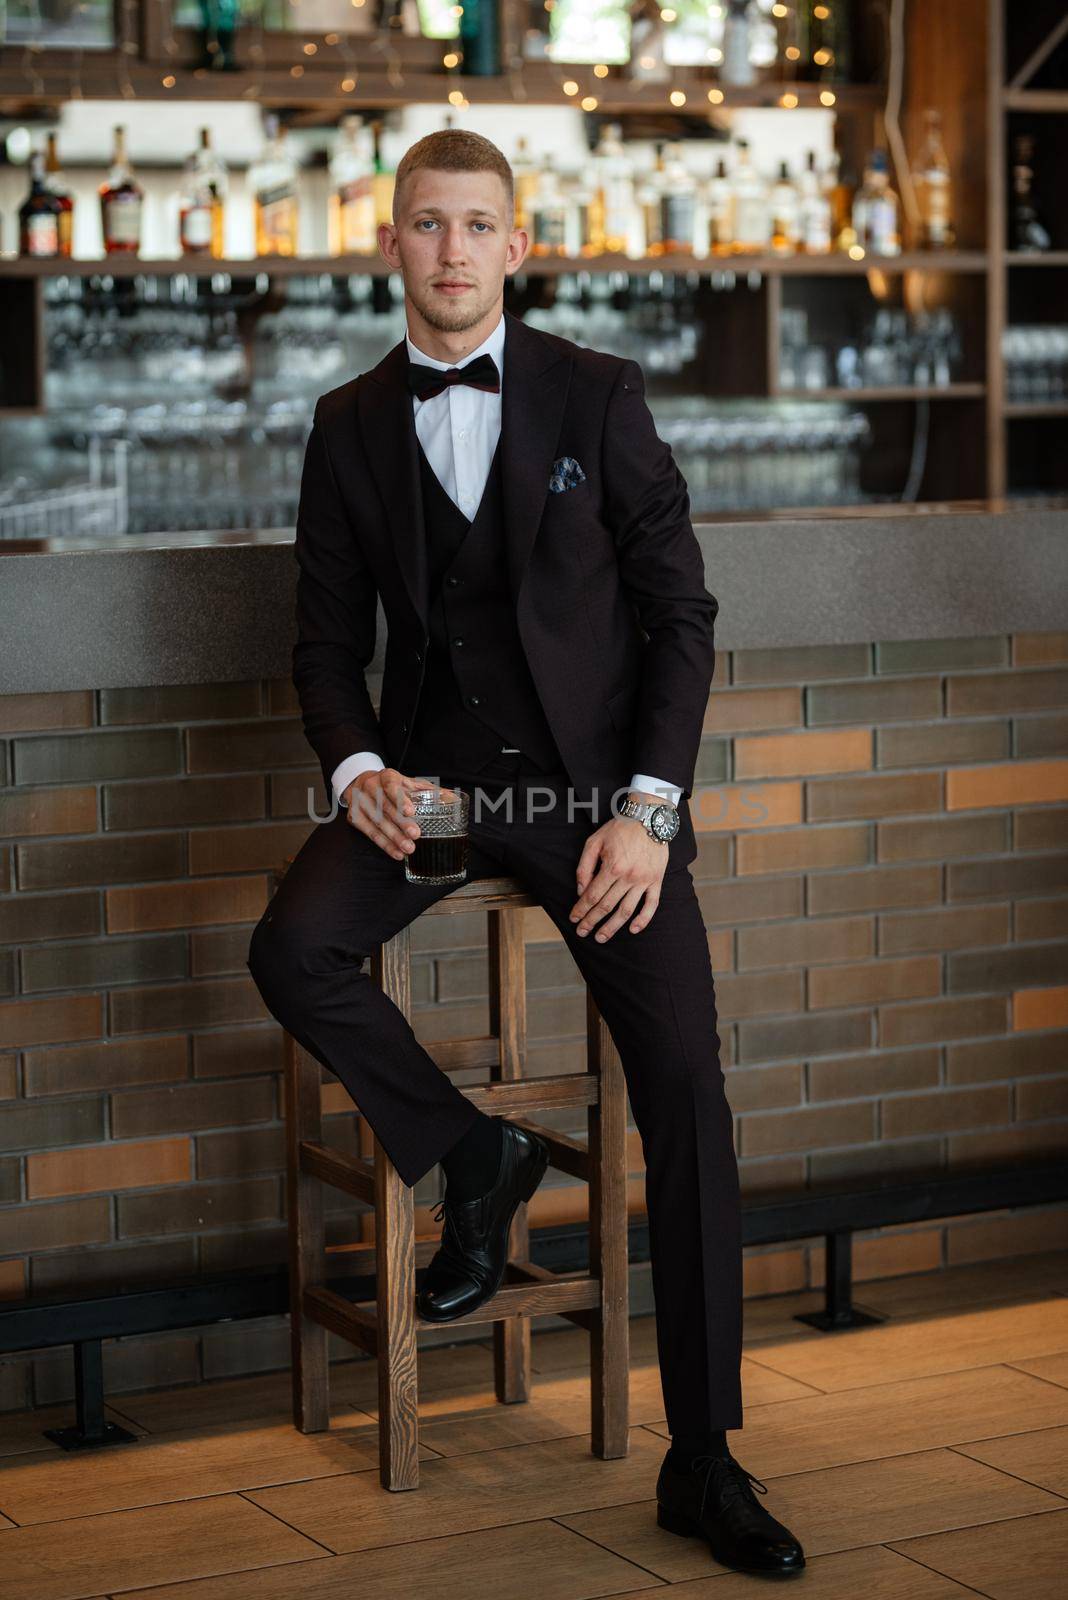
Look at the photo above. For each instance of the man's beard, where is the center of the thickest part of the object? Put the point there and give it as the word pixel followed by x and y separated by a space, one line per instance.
pixel 449 318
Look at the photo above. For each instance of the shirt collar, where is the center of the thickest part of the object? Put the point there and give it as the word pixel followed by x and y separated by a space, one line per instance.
pixel 493 344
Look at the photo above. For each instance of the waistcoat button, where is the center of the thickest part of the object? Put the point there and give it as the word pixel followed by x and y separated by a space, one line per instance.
pixel 474 699
pixel 458 639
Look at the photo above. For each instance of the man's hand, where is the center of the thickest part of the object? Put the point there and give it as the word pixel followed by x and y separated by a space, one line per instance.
pixel 631 865
pixel 378 803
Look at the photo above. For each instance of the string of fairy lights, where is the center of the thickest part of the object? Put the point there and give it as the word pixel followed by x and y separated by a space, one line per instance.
pixel 580 84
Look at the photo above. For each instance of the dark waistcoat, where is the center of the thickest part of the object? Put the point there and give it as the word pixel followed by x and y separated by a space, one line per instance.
pixel 478 693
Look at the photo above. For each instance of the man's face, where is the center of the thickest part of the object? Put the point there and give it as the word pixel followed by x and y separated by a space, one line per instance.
pixel 453 243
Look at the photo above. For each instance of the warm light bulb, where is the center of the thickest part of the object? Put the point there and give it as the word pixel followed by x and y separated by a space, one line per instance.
pixel 310 49
pixel 456 97
pixel 347 85
pixel 451 59
pixel 168 82
pixel 588 102
pixel 715 55
pixel 792 53
pixel 296 72
pixel 677 97
pixel 668 15
pixel 570 87
pixel 715 97
pixel 600 70
pixel 856 252
pixel 822 58
pixel 780 11
pixel 789 101
pixel 827 98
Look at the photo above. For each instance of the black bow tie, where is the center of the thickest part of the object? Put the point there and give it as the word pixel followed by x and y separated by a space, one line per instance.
pixel 425 382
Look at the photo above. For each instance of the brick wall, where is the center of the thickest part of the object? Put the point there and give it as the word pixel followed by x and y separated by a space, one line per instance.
pixel 883 870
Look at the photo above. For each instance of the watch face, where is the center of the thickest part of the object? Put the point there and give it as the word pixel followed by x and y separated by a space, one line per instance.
pixel 665 822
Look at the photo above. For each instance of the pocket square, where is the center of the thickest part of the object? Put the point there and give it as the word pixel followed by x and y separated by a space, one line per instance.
pixel 565 474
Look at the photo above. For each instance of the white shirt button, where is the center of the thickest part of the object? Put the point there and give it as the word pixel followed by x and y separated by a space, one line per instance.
pixel 462 433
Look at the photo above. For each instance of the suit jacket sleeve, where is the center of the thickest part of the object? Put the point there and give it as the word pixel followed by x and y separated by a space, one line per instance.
pixel 662 570
pixel 337 603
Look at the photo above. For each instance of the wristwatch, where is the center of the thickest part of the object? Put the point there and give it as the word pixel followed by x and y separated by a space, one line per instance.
pixel 660 820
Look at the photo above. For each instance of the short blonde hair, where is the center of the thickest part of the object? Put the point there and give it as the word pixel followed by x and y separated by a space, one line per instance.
pixel 455 150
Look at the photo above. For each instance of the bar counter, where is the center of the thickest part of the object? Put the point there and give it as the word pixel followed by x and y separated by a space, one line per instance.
pixel 210 607
pixel 880 811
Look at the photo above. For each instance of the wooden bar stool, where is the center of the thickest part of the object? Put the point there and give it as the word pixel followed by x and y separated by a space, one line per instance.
pixel 386 1328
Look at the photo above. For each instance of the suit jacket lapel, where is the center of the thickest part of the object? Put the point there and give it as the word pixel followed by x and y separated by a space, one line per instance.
pixel 535 383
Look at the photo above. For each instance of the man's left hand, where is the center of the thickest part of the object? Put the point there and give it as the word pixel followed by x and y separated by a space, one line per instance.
pixel 619 864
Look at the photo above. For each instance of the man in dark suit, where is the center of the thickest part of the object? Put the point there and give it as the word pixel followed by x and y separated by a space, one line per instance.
pixel 550 646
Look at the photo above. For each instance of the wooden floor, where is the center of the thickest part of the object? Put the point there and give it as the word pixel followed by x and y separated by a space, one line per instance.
pixel 921 1459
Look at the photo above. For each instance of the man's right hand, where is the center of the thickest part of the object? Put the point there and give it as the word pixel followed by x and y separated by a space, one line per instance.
pixel 379 804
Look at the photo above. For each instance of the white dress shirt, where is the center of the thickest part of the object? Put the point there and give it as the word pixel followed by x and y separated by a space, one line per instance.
pixel 458 430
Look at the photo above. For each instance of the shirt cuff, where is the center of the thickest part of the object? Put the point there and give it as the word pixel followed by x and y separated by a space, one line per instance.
pixel 351 767
pixel 658 786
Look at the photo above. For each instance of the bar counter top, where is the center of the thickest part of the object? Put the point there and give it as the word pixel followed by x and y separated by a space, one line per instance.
pixel 209 607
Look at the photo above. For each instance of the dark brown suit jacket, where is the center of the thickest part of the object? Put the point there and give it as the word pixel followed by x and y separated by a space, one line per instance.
pixel 607 577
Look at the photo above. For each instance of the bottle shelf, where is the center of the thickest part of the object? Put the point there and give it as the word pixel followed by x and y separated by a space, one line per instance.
pixel 946 391
pixel 1054 100
pixel 1036 408
pixel 319 87
pixel 544 266
pixel 1037 258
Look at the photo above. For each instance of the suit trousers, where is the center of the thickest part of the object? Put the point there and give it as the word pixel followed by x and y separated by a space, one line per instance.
pixel 343 895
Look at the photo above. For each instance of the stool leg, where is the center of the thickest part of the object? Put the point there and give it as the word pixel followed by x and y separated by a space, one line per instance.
pixel 508 1021
pixel 398 1383
pixel 610 1328
pixel 307 1242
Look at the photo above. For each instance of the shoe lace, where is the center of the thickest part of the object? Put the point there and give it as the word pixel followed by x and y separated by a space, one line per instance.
pixel 452 1245
pixel 733 1482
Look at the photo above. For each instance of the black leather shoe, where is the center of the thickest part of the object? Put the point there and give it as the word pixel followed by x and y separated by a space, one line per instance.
pixel 715 1501
pixel 469 1267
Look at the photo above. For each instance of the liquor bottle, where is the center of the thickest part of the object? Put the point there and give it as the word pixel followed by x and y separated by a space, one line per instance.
pixel 525 181
pixel 273 181
pixel 201 207
pixel 383 178
pixel 647 197
pixel 121 203
pixel 39 214
pixel 614 177
pixel 582 232
pixel 814 210
pixel 480 37
pixel 1027 231
pixel 876 212
pixel 57 185
pixel 548 213
pixel 933 191
pixel 787 39
pixel 219 21
pixel 826 46
pixel 719 199
pixel 751 218
pixel 783 209
pixel 351 218
pixel 737 67
pixel 678 195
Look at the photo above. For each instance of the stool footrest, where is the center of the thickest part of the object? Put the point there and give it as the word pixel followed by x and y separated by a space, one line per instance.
pixel 534 1299
pixel 333 1311
pixel 535 1094
pixel 336 1167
